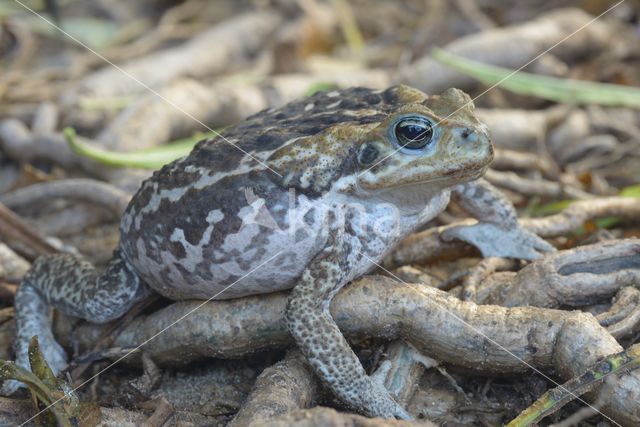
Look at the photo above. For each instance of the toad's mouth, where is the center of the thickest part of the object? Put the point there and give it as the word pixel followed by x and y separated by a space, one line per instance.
pixel 459 176
pixel 446 179
pixel 468 173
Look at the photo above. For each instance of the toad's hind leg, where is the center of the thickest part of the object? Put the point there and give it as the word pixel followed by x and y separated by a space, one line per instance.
pixel 324 346
pixel 73 286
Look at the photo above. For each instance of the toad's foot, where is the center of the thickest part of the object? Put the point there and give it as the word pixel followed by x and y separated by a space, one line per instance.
pixel 495 241
pixel 28 299
pixel 53 353
pixel 378 387
pixel 377 398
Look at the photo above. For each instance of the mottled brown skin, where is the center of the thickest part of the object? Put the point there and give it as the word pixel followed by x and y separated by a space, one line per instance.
pixel 220 223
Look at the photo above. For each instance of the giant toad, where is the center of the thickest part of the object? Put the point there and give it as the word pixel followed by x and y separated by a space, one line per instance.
pixel 309 197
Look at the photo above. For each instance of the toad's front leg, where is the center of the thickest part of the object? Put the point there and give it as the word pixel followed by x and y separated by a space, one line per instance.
pixel 321 341
pixel 497 232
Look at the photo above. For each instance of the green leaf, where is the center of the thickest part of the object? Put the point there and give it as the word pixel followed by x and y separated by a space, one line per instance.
pixel 320 87
pixel 106 103
pixel 631 191
pixel 152 158
pixel 550 208
pixel 558 206
pixel 47 391
pixel 551 88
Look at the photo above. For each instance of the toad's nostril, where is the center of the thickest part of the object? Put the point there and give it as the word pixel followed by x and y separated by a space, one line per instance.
pixel 466 133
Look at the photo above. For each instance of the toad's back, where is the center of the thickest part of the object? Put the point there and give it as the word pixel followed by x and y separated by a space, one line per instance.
pixel 204 221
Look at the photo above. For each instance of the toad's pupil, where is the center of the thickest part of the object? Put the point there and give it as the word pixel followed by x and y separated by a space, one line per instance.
pixel 414 133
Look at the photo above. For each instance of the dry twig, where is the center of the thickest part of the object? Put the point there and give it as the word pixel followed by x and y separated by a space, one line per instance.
pixel 428 318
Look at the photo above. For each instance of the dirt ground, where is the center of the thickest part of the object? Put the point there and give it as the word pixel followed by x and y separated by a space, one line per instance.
pixel 96 95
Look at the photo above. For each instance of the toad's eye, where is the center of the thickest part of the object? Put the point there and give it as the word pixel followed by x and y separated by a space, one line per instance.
pixel 413 133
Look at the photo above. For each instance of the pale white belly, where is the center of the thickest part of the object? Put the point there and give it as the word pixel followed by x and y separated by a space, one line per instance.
pixel 252 261
pixel 263 258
